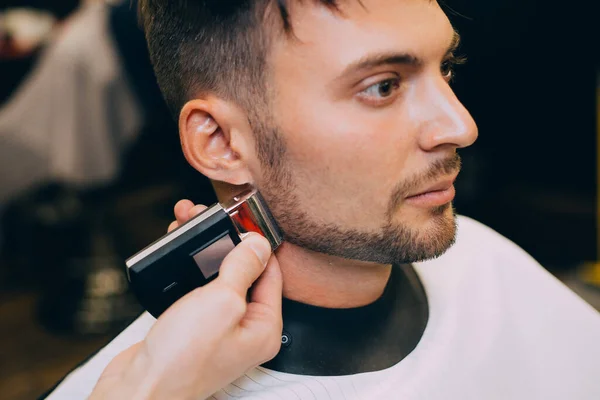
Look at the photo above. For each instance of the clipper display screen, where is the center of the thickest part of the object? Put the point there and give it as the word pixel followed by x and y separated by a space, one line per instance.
pixel 210 258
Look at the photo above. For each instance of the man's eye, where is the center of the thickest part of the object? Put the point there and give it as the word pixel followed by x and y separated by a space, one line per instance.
pixel 383 89
pixel 447 69
pixel 449 64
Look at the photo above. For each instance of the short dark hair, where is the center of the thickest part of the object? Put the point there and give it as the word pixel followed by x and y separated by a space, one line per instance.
pixel 211 46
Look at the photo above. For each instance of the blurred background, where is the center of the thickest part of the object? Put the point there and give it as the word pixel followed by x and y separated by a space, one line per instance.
pixel 90 164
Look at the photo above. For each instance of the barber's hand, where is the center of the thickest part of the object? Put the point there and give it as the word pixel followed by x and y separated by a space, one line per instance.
pixel 211 336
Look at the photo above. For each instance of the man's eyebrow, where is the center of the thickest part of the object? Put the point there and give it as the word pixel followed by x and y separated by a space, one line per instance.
pixel 378 59
pixel 393 58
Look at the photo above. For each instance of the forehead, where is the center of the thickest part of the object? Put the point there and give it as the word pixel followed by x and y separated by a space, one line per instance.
pixel 330 39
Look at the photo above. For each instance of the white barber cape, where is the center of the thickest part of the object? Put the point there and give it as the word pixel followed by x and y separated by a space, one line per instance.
pixel 500 327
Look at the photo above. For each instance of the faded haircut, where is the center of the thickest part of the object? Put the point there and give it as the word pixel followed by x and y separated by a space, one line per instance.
pixel 213 47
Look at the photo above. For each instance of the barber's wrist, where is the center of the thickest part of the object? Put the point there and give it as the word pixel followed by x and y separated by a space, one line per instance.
pixel 138 381
pixel 140 377
pixel 128 376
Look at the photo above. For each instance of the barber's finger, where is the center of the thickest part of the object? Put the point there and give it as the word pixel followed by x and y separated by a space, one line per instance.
pixel 182 209
pixel 268 288
pixel 245 263
pixel 173 226
pixel 197 209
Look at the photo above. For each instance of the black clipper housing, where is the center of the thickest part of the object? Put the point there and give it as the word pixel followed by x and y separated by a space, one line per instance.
pixel 190 256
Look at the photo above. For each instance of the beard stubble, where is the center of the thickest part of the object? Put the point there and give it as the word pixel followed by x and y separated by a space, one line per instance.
pixel 394 243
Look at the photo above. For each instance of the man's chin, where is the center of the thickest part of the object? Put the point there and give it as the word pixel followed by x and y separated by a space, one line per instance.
pixel 423 220
pixel 444 209
pixel 440 235
pixel 432 235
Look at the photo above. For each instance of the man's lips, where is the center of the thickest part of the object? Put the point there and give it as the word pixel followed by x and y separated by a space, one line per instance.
pixel 435 195
pixel 439 186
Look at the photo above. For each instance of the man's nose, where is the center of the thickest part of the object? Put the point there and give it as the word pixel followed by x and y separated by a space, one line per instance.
pixel 447 122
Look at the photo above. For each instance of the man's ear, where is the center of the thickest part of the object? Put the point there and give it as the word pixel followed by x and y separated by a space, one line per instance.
pixel 214 136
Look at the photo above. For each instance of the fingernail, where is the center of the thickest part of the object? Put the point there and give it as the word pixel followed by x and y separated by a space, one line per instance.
pixel 261 248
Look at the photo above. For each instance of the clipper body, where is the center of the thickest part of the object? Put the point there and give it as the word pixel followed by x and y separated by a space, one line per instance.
pixel 190 256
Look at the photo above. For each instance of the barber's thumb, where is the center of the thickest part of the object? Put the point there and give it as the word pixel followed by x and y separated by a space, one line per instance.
pixel 268 288
pixel 260 246
pixel 245 263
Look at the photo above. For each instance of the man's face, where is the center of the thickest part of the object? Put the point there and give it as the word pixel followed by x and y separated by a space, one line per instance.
pixel 364 120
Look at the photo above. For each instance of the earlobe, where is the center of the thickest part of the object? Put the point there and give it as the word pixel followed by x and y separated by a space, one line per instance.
pixel 207 143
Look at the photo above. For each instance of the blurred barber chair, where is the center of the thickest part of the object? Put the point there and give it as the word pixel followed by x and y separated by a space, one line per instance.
pixel 70 241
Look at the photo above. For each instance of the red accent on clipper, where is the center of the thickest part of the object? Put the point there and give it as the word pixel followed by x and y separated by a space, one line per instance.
pixel 244 220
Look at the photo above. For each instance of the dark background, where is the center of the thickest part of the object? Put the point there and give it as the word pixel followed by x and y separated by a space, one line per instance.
pixel 530 83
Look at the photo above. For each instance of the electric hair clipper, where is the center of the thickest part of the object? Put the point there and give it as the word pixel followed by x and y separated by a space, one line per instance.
pixel 191 255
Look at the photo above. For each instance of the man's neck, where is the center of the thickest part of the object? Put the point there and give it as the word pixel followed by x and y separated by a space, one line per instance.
pixel 331 282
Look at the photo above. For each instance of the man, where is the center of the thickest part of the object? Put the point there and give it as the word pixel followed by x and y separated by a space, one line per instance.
pixel 342 116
